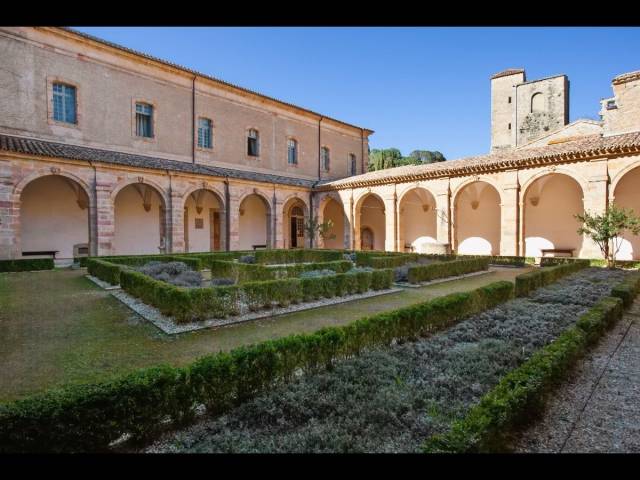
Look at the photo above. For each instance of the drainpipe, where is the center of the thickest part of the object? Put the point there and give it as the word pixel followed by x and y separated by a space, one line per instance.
pixel 274 220
pixel 362 151
pixel 168 214
pixel 93 228
pixel 193 120
pixel 319 149
pixel 227 215
pixel 311 216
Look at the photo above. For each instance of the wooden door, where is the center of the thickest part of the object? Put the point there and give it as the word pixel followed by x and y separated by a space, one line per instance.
pixel 366 239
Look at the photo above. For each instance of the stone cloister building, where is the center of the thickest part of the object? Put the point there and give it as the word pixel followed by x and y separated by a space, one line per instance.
pixel 115 152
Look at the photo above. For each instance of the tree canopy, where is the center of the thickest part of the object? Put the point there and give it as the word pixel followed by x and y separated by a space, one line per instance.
pixel 380 159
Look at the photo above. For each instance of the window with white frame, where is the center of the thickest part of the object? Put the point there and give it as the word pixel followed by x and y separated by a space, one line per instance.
pixel 64 103
pixel 352 163
pixel 205 133
pixel 253 143
pixel 292 152
pixel 144 120
pixel 325 158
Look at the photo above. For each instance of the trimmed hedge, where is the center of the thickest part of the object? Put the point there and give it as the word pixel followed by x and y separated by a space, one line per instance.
pixel 504 260
pixel 190 304
pixel 530 281
pixel 90 417
pixel 243 272
pixel 523 390
pixel 26 265
pixel 594 262
pixel 283 255
pixel 425 273
pixel 104 270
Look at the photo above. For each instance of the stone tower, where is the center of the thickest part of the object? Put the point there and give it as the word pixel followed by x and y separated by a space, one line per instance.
pixel 522 111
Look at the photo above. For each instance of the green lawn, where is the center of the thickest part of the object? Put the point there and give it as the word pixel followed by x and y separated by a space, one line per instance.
pixel 57 327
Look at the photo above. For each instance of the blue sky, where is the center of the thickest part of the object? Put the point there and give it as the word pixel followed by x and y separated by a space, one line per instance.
pixel 418 88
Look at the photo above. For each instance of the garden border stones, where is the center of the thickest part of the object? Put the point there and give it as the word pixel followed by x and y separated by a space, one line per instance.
pixel 168 326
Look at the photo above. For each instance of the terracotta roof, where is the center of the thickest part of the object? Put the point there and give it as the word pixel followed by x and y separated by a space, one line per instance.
pixel 203 75
pixel 626 77
pixel 582 148
pixel 507 72
pixel 45 148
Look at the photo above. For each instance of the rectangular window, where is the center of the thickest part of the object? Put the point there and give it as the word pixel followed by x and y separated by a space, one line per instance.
pixel 292 152
pixel 509 99
pixel 204 133
pixel 509 126
pixel 352 163
pixel 64 103
pixel 252 143
pixel 144 120
pixel 324 158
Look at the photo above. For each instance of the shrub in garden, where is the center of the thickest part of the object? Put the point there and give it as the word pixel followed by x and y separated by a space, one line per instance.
pixel 249 259
pixel 105 271
pixel 424 273
pixel 528 282
pixel 26 265
pixel 175 273
pixel 317 273
pixel 215 282
pixel 89 417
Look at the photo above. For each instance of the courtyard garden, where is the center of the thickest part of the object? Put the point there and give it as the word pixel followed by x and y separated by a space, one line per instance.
pixel 450 364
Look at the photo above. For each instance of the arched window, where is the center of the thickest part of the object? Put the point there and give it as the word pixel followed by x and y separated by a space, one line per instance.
pixel 253 143
pixel 205 131
pixel 292 152
pixel 325 159
pixel 537 102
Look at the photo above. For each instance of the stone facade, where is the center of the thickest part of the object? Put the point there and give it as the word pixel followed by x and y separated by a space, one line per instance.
pixel 523 111
pixel 165 194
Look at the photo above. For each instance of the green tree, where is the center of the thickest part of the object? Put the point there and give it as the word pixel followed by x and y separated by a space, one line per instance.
pixel 312 226
pixel 392 157
pixel 606 229
pixel 427 156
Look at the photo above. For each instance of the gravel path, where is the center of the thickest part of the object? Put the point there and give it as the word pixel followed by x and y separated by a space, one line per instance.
pixel 597 409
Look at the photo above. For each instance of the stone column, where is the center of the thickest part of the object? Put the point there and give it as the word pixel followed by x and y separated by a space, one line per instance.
pixel 175 223
pixel 390 220
pixel 353 228
pixel 278 223
pixel 9 215
pixel 234 219
pixel 443 211
pixel 595 202
pixel 105 211
pixel 509 215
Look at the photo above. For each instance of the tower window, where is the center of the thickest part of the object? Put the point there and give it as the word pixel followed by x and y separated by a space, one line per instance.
pixel 509 99
pixel 509 126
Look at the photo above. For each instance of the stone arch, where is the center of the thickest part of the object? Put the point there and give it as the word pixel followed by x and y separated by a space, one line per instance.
pixel 537 103
pixel 625 193
pixel 480 178
pixel 255 220
pixel 293 224
pixel 55 214
pixel 332 208
pixel 204 219
pixel 548 219
pixel 19 187
pixel 370 213
pixel 417 219
pixel 141 219
pixel 620 175
pixel 477 218
pixel 582 182
pixel 122 184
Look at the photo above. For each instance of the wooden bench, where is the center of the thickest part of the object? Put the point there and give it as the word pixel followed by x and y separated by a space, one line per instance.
pixel 408 248
pixel 51 253
pixel 554 251
pixel 255 247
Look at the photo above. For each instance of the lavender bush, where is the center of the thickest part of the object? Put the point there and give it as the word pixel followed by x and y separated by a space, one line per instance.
pixel 175 273
pixel 392 399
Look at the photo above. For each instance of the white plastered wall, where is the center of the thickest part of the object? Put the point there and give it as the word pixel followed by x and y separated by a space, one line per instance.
pixel 51 218
pixel 372 215
pixel 334 212
pixel 627 195
pixel 253 222
pixel 551 223
pixel 477 220
pixel 200 238
pixel 136 230
pixel 418 226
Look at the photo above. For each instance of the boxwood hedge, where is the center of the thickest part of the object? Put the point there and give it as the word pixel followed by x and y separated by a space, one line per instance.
pixel 528 282
pixel 26 265
pixel 523 390
pixel 90 417
pixel 425 273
